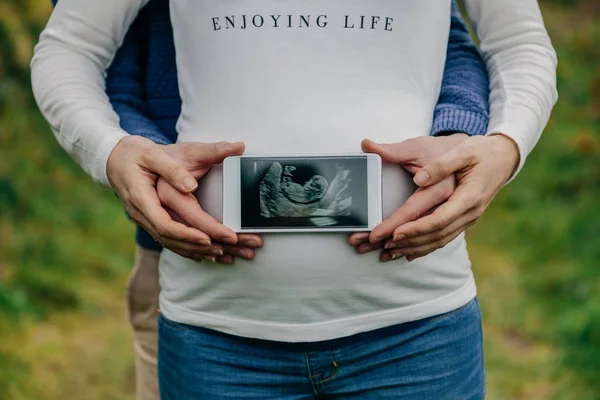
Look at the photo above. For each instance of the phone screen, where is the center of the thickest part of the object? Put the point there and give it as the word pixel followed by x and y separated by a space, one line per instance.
pixel 304 192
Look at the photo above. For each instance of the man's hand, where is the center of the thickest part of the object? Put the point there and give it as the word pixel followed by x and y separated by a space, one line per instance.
pixel 184 207
pixel 133 169
pixel 411 154
pixel 482 166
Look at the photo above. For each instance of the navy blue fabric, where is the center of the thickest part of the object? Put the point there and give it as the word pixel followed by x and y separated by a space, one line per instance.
pixel 438 358
pixel 142 84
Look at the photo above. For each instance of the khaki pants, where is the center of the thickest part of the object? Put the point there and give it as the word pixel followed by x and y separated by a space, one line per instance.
pixel 142 297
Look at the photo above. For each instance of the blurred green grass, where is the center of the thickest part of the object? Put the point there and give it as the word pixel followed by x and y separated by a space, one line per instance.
pixel 65 247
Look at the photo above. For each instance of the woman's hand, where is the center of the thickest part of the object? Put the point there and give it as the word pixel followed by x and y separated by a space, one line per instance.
pixel 184 208
pixel 133 169
pixel 482 166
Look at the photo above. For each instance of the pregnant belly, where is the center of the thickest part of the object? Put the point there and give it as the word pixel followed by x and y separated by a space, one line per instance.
pixel 310 277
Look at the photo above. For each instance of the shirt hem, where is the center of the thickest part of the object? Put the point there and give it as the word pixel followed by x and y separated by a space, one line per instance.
pixel 320 331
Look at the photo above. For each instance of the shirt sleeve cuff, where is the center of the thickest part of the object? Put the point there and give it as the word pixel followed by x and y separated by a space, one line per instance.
pixel 105 148
pixel 452 120
pixel 524 129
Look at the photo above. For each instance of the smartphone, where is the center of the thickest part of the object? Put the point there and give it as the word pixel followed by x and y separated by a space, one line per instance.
pixel 302 193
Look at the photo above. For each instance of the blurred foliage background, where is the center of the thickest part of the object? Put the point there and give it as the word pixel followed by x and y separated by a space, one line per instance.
pixel 66 248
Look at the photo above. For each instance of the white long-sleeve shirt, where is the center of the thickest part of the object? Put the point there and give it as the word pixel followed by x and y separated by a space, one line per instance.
pixel 301 76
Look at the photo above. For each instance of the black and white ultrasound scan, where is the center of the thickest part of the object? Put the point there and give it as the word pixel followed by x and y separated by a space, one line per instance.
pixel 304 192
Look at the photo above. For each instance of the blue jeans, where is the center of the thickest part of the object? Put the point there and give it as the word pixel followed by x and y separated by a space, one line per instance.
pixel 438 358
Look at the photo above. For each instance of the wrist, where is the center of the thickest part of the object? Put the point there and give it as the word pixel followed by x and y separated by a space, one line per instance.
pixel 508 150
pixel 173 151
pixel 456 138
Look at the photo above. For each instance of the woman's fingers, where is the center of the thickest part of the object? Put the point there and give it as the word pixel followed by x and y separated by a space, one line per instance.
pixel 162 223
pixel 358 238
pixel 251 241
pixel 369 247
pixel 186 206
pixel 238 251
pixel 155 160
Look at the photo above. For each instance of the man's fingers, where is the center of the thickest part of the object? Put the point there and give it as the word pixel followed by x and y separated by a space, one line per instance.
pixel 397 153
pixel 415 207
pixel 460 224
pixel 460 157
pixel 459 203
pixel 425 248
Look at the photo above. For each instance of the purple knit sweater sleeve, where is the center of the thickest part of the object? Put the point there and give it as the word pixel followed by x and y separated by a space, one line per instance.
pixel 463 105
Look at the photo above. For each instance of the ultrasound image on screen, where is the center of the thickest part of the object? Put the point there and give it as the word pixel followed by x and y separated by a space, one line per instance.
pixel 309 192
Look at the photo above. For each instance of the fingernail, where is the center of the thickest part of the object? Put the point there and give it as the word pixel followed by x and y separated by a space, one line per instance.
pixel 206 243
pixel 399 237
pixel 210 258
pixel 253 244
pixel 231 146
pixel 190 183
pixel 218 252
pixel 421 178
pixel 390 245
pixel 366 249
pixel 244 253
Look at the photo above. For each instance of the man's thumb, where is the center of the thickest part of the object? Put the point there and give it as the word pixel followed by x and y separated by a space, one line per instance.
pixel 223 150
pixel 205 155
pixel 396 153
